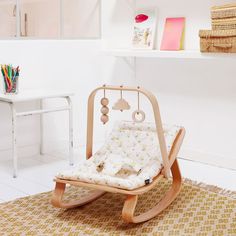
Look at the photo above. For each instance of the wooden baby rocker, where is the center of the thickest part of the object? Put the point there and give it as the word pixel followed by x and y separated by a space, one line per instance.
pixel 170 163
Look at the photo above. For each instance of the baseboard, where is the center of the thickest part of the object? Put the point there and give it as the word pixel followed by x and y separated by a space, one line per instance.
pixel 208 158
pixel 23 151
pixel 58 147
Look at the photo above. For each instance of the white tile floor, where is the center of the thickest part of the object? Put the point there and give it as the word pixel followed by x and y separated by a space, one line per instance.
pixel 36 174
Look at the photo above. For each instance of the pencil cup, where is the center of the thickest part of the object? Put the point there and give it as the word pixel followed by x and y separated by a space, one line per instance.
pixel 10 76
pixel 13 89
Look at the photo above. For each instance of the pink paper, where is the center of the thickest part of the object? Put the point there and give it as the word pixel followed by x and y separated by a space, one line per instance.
pixel 173 34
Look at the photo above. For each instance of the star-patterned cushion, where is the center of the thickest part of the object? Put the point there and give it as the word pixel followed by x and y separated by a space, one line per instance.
pixel 129 159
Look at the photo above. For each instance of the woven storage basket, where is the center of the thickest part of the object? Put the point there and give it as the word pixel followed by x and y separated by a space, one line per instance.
pixel 224 24
pixel 218 40
pixel 225 11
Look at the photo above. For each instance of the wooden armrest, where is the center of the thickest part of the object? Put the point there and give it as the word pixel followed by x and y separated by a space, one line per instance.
pixel 176 146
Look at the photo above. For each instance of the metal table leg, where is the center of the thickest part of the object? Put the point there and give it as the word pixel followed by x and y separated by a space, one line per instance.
pixel 41 129
pixel 71 131
pixel 41 111
pixel 14 140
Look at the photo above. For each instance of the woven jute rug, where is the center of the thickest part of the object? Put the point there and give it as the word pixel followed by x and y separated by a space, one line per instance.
pixel 198 210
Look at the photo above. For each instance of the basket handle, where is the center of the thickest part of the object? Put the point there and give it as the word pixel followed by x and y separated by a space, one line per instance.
pixel 223 45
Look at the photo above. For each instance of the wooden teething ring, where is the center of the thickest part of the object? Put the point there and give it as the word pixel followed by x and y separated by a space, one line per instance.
pixel 138 112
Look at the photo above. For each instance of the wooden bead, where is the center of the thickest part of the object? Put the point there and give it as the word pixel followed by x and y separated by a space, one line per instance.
pixel 104 101
pixel 104 119
pixel 104 110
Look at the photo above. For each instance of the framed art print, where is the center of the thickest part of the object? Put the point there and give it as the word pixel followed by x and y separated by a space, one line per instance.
pixel 145 24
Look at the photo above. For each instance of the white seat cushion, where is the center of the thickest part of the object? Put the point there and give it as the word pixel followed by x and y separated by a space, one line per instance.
pixel 129 159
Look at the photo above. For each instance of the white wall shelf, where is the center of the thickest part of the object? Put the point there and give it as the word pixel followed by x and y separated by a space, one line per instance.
pixel 167 54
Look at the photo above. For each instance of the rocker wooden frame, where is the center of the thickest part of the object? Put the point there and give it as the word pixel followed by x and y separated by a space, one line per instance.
pixel 170 163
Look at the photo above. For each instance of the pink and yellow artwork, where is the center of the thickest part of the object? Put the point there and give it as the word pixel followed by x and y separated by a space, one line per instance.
pixel 173 36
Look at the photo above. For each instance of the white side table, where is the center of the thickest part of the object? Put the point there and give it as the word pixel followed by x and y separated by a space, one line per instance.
pixel 41 95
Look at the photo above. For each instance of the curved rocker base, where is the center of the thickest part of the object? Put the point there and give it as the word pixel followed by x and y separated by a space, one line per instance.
pixel 131 201
pixel 57 198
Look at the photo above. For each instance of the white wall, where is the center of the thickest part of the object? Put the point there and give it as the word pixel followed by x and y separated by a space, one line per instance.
pixel 198 94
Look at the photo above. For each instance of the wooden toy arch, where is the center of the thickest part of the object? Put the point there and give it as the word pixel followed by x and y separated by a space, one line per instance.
pixel 157 117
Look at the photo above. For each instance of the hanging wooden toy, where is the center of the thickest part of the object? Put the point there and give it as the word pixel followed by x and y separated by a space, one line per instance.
pixel 121 104
pixel 104 110
pixel 138 115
